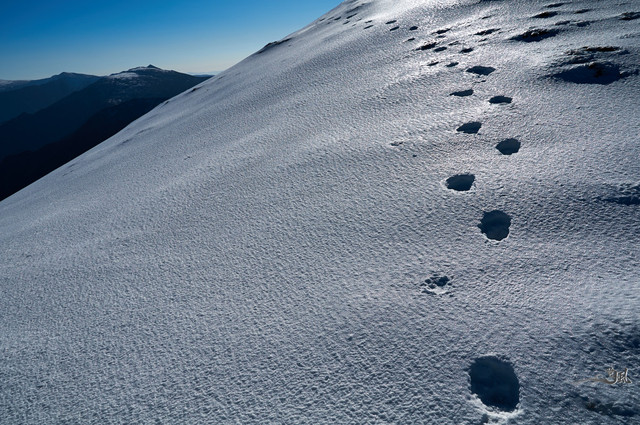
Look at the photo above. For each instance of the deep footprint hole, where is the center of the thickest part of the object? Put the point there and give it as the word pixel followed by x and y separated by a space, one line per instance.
pixel 500 99
pixel 508 146
pixel 461 182
pixel 494 381
pixel 462 93
pixel 495 225
pixel 470 127
pixel 481 70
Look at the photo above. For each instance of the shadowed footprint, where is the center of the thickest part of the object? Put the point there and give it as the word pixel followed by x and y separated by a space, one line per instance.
pixel 440 49
pixel 461 182
pixel 481 70
pixel 413 28
pixel 495 225
pixel 536 35
pixel 554 5
pixel 500 99
pixel 427 46
pixel 394 28
pixel 488 31
pixel 467 50
pixel 390 22
pixel 508 146
pixel 462 93
pixel 470 127
pixel 452 64
pixel 494 381
pixel 545 15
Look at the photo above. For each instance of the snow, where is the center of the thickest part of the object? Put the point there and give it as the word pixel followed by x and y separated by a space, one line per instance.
pixel 127 75
pixel 272 246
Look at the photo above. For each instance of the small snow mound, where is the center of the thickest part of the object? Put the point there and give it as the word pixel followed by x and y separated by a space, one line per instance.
pixel 494 381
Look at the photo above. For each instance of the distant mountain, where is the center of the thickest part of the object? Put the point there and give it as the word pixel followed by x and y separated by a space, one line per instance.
pixel 31 145
pixel 18 97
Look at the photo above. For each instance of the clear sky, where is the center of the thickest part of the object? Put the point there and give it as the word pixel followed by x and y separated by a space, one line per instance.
pixel 41 38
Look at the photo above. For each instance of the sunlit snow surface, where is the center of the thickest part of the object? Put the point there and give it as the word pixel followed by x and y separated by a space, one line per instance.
pixel 271 246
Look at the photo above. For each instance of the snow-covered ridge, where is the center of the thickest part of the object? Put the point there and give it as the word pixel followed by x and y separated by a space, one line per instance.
pixel 406 212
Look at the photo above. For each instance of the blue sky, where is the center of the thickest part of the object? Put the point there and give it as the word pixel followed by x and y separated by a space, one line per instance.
pixel 42 38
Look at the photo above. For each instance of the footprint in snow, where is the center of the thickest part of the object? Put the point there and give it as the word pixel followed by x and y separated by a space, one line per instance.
pixel 500 100
pixel 495 224
pixel 462 93
pixel 508 146
pixel 495 383
pixel 545 15
pixel 470 128
pixel 481 70
pixel 460 182
pixel 436 284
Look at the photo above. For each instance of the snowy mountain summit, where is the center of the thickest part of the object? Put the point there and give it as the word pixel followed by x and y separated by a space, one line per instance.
pixel 406 212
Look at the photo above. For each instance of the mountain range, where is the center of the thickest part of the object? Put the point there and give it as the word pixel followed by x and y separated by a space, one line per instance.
pixel 58 118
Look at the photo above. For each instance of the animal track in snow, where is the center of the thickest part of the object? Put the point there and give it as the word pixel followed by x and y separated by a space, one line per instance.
pixel 470 128
pixel 500 99
pixel 508 146
pixel 436 284
pixel 461 182
pixel 481 70
pixel 462 93
pixel 495 224
pixel 495 383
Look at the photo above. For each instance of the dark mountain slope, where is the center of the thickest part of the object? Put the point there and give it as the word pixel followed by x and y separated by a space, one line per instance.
pixel 39 94
pixel 63 118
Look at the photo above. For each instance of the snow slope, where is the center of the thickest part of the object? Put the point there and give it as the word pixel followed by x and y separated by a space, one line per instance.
pixel 284 242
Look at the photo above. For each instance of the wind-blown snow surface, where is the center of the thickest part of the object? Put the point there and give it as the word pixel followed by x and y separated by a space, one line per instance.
pixel 282 244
